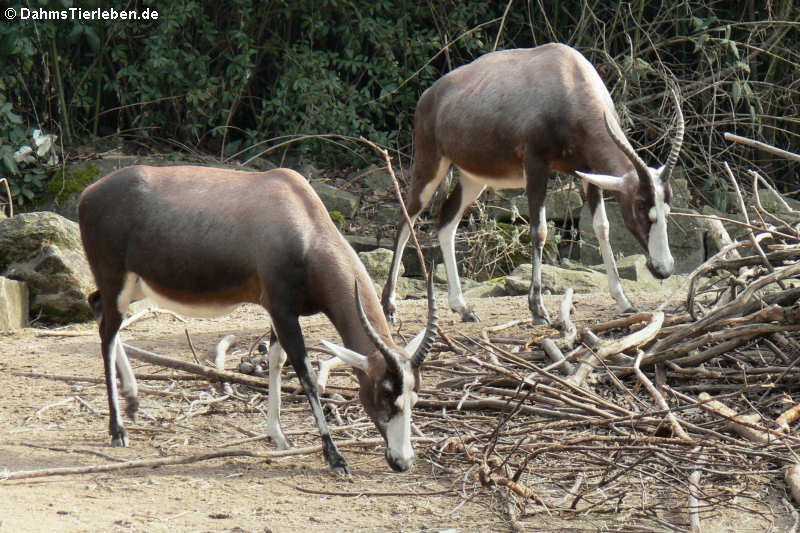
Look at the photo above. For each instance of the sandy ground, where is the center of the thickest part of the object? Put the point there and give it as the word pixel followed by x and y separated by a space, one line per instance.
pixel 49 423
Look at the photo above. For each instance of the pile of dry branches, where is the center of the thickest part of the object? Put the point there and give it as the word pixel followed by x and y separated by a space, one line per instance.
pixel 668 454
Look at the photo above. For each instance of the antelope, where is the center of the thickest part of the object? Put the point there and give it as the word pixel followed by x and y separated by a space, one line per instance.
pixel 507 120
pixel 201 241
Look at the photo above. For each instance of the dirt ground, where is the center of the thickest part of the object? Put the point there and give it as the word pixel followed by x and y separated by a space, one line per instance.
pixel 49 423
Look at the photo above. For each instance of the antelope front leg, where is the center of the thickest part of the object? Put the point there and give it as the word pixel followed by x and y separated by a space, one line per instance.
pixel 276 357
pixel 290 337
pixel 539 313
pixel 601 229
pixel 536 187
pixel 466 192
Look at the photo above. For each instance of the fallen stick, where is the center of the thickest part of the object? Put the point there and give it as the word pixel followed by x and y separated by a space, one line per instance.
pixel 787 417
pixel 606 348
pixel 187 459
pixel 499 327
pixel 694 498
pixel 206 371
pixel 554 353
pixel 677 429
pixel 752 143
pixel 741 424
pixel 707 322
pixel 792 478
pixel 570 332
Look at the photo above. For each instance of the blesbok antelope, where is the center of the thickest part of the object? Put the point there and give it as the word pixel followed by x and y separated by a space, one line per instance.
pixel 507 120
pixel 201 241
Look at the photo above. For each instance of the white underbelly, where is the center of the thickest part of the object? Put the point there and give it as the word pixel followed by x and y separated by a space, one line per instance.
pixel 512 181
pixel 136 288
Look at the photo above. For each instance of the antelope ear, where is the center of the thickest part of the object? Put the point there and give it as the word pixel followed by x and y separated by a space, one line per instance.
pixel 350 357
pixel 604 181
pixel 413 344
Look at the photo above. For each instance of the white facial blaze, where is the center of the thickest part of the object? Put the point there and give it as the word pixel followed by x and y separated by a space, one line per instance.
pixel 658 242
pixel 398 429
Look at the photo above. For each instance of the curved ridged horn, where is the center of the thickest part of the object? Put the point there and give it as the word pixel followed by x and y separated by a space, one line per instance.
pixel 636 161
pixel 384 348
pixel 430 329
pixel 677 140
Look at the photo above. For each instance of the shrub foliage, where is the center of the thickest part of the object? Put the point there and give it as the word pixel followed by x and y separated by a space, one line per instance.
pixel 236 77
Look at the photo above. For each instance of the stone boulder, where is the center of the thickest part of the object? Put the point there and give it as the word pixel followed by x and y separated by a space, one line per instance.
pixel 775 206
pixel 13 304
pixel 559 205
pixel 556 280
pixel 44 250
pixel 375 178
pixel 336 199
pixel 378 263
pixel 685 238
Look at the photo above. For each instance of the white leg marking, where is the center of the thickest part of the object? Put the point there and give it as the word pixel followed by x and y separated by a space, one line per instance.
pixel 601 229
pixel 470 190
pixel 405 232
pixel 402 240
pixel 126 376
pixel 541 234
pixel 113 384
pixel 276 357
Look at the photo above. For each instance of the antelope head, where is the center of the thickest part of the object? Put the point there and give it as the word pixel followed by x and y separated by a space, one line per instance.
pixel 644 196
pixel 390 380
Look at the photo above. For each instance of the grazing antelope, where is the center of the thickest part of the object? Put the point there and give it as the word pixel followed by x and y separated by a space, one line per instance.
pixel 201 241
pixel 507 120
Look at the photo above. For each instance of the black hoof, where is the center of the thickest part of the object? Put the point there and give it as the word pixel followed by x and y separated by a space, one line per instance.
pixel 131 407
pixel 631 310
pixel 120 439
pixel 470 316
pixel 390 314
pixel 340 467
pixel 540 319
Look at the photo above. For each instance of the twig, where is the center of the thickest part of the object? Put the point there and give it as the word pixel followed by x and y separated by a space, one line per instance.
pixel 607 348
pixel 762 146
pixel 191 345
pixel 570 332
pixel 403 209
pixel 662 404
pixel 368 493
pixel 744 425
pixel 187 459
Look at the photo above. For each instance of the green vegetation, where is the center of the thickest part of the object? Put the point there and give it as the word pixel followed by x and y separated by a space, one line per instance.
pixel 71 181
pixel 301 80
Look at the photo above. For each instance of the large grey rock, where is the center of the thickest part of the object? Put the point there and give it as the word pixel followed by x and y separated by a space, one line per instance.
pixel 560 204
pixel 44 250
pixel 13 304
pixel 378 263
pixel 632 267
pixel 336 199
pixel 556 280
pixel 771 203
pixel 487 289
pixel 685 238
pixel 680 192
pixel 365 243
pixel 375 178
